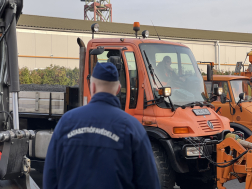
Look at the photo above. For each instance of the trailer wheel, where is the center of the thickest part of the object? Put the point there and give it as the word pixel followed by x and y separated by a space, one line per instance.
pixel 165 172
pixel 237 127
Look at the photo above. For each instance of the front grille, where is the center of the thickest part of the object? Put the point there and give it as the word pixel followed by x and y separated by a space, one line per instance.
pixel 203 125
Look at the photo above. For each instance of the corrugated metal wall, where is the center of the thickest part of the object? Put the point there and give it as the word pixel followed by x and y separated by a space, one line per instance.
pixel 41 48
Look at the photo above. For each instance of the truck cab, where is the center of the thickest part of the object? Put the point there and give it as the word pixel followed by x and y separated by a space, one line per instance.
pixel 139 92
pixel 238 110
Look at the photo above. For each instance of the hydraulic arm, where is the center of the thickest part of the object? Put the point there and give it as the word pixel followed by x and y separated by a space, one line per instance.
pixel 10 11
pixel 234 159
pixel 14 165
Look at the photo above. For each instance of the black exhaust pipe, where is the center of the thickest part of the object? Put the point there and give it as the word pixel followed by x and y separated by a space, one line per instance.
pixel 81 68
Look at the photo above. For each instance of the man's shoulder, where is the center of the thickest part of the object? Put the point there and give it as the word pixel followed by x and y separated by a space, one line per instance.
pixel 127 117
pixel 133 125
pixel 77 111
pixel 73 115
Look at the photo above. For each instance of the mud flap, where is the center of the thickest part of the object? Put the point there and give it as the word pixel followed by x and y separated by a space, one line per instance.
pixel 25 182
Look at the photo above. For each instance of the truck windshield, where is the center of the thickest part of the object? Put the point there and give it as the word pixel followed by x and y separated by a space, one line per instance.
pixel 176 67
pixel 241 86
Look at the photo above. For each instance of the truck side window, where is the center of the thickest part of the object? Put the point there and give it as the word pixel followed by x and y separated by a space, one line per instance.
pixel 208 87
pixel 131 61
pixel 104 58
pixel 122 93
pixel 186 65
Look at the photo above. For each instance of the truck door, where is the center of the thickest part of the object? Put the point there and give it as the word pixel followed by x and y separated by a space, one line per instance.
pixel 225 108
pixel 132 78
pixel 104 57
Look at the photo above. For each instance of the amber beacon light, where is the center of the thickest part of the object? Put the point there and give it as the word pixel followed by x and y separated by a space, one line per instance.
pixel 136 27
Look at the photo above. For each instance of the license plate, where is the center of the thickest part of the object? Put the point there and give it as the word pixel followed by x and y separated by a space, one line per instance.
pixel 199 112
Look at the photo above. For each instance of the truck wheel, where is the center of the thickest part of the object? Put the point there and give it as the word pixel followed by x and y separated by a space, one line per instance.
pixel 165 172
pixel 237 127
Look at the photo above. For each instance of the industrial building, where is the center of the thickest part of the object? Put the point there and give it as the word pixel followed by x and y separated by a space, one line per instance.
pixel 43 41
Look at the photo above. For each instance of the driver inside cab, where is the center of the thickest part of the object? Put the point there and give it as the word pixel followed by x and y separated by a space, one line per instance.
pixel 165 65
pixel 168 73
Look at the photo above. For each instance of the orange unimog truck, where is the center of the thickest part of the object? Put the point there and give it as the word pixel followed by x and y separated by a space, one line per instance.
pixel 238 103
pixel 185 132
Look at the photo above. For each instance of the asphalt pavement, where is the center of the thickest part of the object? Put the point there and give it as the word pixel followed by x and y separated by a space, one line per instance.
pixel 234 184
pixel 37 177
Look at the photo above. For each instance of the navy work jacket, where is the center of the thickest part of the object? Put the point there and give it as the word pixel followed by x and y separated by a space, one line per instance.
pixel 99 146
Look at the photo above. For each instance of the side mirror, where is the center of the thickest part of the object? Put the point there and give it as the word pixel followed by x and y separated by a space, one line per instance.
pixel 242 96
pixel 97 51
pixel 209 73
pixel 223 98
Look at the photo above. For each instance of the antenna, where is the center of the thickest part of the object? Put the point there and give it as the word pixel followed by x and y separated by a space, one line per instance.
pixel 155 30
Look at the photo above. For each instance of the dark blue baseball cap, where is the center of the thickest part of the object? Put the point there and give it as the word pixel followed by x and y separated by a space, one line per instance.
pixel 105 71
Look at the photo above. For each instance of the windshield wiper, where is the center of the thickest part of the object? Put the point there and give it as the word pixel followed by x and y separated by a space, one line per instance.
pixel 153 74
pixel 156 101
pixel 192 104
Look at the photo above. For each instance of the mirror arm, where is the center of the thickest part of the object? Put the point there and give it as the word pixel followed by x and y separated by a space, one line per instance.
pixel 212 99
pixel 232 108
pixel 239 104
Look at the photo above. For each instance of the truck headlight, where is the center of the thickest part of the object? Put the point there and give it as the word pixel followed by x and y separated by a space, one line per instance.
pixel 145 34
pixel 193 151
pixel 95 27
pixel 165 91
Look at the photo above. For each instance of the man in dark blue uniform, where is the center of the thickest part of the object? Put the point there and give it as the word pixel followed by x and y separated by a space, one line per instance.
pixel 99 146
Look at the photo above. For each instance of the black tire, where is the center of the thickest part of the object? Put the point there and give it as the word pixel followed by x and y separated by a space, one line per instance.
pixel 165 172
pixel 237 127
pixel 197 184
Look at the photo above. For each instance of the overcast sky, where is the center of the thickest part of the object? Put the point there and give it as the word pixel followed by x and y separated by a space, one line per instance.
pixel 222 15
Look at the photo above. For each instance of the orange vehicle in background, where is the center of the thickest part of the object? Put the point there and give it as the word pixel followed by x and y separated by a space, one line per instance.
pixel 239 65
pixel 238 104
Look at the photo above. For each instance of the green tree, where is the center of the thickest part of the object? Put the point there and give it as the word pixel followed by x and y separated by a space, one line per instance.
pixel 24 76
pixel 52 75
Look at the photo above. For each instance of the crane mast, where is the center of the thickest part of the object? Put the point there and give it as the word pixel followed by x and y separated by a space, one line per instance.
pixel 14 165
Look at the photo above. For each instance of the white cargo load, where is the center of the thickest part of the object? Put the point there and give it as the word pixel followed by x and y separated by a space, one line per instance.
pixel 39 102
pixel 38 146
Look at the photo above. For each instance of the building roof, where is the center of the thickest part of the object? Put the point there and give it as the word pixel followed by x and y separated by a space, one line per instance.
pixel 45 22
